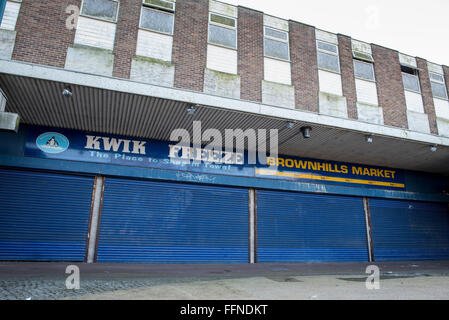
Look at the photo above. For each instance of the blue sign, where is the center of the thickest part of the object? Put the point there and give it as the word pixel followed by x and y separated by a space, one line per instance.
pixel 74 145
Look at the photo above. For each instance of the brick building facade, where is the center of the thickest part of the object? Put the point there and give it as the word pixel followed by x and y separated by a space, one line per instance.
pixel 41 37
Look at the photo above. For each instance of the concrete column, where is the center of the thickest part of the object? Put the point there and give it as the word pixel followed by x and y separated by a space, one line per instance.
pixel 95 217
pixel 8 121
pixel 2 101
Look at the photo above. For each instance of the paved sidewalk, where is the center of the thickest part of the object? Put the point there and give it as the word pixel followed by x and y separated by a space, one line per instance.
pixel 399 280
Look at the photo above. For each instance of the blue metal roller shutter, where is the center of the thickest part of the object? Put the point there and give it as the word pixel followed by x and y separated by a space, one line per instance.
pixel 162 222
pixel 409 230
pixel 43 216
pixel 297 227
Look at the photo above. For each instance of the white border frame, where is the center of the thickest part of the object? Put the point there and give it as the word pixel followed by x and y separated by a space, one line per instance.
pixel 412 75
pixel 222 26
pixel 438 82
pixel 148 5
pixel 160 11
pixel 279 40
pixel 101 19
pixel 337 54
pixel 365 62
pixel 358 58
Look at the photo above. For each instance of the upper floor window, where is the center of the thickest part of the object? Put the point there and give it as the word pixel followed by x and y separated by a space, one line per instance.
pixel 438 86
pixel 276 44
pixel 328 56
pixel 364 70
pixel 157 15
pixel 100 9
pixel 410 79
pixel 223 30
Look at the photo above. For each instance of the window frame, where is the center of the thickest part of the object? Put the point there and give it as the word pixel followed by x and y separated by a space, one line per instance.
pixel 337 54
pixel 156 10
pixel 365 62
pixel 222 26
pixel 156 7
pixel 101 19
pixel 287 41
pixel 369 55
pixel 412 75
pixel 443 82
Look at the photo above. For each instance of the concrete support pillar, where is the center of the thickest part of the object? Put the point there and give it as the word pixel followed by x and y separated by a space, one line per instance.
pixel 8 121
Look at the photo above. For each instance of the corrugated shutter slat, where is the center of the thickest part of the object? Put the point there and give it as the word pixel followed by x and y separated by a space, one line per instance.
pixel 43 216
pixel 409 230
pixel 297 227
pixel 162 222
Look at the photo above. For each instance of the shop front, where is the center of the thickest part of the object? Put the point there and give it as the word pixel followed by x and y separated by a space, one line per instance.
pixel 69 195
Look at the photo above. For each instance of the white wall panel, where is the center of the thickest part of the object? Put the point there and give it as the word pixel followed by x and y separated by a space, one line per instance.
pixel 414 101
pixel 361 46
pixel 366 92
pixel 274 22
pixel 154 45
pixel 326 36
pixel 277 71
pixel 441 108
pixel 418 122
pixel 435 68
pixel 95 33
pixel 330 82
pixel 10 16
pixel 407 60
pixel 222 59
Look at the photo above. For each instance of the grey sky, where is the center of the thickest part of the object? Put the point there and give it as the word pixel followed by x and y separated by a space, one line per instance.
pixel 415 27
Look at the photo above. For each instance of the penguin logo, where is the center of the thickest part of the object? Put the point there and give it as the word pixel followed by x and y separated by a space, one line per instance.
pixel 52 142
